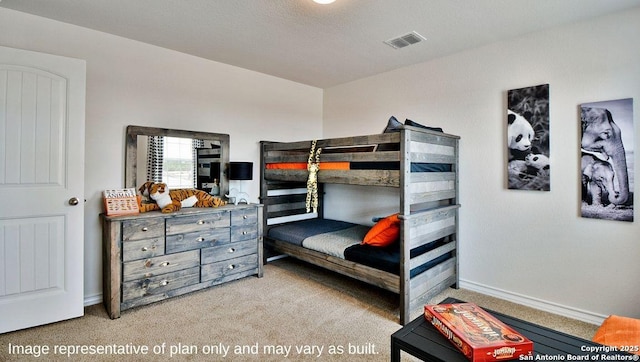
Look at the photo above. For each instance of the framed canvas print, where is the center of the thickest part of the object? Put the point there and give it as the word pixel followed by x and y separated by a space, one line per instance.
pixel 528 138
pixel 607 159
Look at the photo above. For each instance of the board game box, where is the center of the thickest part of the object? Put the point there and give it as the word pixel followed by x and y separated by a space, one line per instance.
pixel 477 334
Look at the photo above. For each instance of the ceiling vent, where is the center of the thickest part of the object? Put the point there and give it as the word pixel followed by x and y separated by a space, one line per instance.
pixel 405 40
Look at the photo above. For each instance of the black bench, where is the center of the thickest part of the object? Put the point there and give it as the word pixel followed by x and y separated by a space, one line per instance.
pixel 420 339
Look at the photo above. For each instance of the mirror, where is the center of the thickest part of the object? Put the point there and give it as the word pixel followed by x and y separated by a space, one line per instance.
pixel 187 164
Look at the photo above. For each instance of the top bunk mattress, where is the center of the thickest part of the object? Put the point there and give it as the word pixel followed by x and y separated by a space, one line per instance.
pixel 390 165
pixel 369 160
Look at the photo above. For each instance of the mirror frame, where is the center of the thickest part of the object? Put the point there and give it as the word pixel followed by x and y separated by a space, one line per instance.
pixel 131 151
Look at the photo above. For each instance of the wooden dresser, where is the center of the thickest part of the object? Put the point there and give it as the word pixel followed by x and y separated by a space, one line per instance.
pixel 154 256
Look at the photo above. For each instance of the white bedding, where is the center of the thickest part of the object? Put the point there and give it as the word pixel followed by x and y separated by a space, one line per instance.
pixel 334 243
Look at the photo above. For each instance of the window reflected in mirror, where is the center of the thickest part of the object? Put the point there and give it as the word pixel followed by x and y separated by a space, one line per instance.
pixel 179 163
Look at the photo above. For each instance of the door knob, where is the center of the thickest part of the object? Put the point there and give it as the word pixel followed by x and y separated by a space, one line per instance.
pixel 74 201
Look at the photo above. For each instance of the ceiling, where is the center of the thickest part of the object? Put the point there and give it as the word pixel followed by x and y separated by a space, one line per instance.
pixel 318 45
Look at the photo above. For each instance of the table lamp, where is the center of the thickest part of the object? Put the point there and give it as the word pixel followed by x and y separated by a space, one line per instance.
pixel 240 171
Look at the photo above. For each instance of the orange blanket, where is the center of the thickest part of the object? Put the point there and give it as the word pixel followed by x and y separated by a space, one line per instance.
pixel 619 331
pixel 303 166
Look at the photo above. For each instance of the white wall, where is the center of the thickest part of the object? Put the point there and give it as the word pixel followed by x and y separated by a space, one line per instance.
pixel 531 247
pixel 132 83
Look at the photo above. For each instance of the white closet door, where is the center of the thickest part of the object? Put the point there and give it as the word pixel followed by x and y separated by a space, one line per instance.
pixel 42 105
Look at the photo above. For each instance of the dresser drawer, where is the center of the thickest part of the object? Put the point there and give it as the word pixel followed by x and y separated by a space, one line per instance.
pixel 244 217
pixel 142 249
pixel 246 232
pixel 159 284
pixel 142 229
pixel 229 251
pixel 198 239
pixel 146 268
pixel 232 266
pixel 187 224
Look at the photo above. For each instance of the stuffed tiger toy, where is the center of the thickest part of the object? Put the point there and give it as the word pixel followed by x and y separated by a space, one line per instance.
pixel 173 200
pixel 145 203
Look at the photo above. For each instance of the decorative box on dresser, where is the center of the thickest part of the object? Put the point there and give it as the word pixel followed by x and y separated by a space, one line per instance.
pixel 153 256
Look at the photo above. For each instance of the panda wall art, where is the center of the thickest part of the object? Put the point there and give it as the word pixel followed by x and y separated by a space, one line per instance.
pixel 528 138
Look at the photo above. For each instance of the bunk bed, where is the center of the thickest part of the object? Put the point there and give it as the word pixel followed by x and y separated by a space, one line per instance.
pixel 422 164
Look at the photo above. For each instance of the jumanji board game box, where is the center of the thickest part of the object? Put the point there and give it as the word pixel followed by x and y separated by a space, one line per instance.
pixel 477 334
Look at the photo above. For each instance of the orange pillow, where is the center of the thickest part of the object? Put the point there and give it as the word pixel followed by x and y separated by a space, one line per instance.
pixel 619 331
pixel 385 232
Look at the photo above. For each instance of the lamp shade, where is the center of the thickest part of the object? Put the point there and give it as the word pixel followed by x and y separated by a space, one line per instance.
pixel 214 171
pixel 240 170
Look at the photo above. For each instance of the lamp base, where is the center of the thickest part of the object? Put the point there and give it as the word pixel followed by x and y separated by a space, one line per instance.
pixel 242 197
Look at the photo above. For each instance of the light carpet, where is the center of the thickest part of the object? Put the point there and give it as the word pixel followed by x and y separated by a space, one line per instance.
pixel 295 312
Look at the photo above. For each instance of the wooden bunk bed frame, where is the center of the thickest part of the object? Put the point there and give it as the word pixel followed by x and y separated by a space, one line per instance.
pixel 428 204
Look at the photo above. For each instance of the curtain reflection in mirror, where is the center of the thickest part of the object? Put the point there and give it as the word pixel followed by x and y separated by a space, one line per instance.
pixel 155 155
pixel 195 145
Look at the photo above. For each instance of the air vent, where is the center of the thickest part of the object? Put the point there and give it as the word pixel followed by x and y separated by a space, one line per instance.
pixel 405 40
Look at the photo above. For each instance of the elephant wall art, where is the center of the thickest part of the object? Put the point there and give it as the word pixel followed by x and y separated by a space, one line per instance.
pixel 607 159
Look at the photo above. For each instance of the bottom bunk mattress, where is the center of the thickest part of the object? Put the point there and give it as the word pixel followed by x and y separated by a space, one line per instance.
pixel 344 240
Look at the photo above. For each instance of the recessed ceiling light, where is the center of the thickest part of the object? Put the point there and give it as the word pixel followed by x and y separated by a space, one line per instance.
pixel 324 2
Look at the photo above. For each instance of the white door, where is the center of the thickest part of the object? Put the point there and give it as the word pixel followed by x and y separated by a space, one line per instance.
pixel 42 100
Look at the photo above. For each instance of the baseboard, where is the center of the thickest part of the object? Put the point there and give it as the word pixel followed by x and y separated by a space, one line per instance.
pixel 92 299
pixel 535 303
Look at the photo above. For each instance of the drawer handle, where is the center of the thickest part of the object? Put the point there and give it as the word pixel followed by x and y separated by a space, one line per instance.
pixel 163 264
pixel 164 282
pixel 244 233
pixel 145 229
pixel 200 239
pixel 200 222
pixel 232 250
pixel 245 217
pixel 231 266
pixel 144 248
